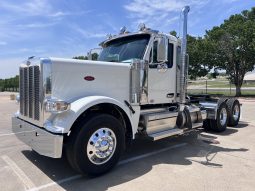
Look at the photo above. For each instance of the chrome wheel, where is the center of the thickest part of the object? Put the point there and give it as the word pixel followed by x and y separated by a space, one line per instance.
pixel 236 112
pixel 223 116
pixel 101 146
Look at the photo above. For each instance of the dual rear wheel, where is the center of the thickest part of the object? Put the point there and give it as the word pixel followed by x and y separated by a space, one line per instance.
pixel 234 111
pixel 228 114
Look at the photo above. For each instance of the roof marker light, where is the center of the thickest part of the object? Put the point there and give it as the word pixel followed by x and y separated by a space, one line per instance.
pixel 141 27
pixel 123 30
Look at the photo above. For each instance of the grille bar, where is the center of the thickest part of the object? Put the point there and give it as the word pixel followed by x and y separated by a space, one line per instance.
pixel 21 86
pixel 36 93
pixel 26 91
pixel 30 92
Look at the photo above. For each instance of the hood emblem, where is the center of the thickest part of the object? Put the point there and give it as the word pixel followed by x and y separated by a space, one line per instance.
pixel 89 78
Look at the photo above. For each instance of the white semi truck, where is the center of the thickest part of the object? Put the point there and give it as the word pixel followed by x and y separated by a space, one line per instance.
pixel 91 111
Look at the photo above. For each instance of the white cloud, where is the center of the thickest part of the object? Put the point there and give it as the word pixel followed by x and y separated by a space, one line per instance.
pixel 159 13
pixel 31 7
pixel 62 14
pixel 88 34
pixel 150 7
pixel 36 25
pixel 18 18
pixel 59 14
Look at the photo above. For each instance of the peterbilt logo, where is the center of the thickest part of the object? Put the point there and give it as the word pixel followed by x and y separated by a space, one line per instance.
pixel 89 78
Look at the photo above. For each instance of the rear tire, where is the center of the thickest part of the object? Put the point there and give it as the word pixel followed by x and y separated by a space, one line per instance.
pixel 233 111
pixel 97 147
pixel 221 121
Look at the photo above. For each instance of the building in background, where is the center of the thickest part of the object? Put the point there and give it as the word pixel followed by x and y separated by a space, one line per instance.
pixel 249 77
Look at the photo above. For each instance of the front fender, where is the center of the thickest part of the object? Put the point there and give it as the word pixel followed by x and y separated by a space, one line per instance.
pixel 62 123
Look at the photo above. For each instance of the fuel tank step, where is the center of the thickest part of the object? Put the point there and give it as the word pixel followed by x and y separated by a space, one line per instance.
pixel 158 121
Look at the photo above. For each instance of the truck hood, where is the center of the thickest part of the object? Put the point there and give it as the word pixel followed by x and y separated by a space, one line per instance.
pixel 73 79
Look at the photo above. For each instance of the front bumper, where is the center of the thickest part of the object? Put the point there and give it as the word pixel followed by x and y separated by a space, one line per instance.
pixel 40 140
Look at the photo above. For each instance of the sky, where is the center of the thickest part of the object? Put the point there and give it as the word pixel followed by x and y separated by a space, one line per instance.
pixel 66 28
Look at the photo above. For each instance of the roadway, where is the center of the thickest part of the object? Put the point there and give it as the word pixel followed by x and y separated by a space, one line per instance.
pixel 180 163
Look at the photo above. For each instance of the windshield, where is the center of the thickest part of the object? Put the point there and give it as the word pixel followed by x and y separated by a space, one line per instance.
pixel 125 49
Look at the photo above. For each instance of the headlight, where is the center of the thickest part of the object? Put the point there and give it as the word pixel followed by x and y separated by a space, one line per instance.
pixel 56 106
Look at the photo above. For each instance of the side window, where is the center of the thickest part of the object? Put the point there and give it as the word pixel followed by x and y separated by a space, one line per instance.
pixel 150 57
pixel 155 51
pixel 170 57
pixel 178 56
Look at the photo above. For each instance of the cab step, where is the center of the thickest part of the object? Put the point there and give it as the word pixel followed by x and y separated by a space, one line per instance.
pixel 164 134
pixel 196 125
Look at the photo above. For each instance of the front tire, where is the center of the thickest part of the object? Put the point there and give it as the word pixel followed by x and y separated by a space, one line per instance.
pixel 98 145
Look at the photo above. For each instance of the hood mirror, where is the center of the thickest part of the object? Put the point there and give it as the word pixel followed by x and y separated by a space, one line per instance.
pixel 94 53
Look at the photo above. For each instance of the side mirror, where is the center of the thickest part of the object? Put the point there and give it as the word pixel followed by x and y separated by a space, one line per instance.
pixel 94 53
pixel 162 49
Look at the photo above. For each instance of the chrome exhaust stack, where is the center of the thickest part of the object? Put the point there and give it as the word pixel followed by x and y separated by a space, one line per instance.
pixel 183 72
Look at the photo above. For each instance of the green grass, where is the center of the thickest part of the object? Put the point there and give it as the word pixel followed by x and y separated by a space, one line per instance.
pixel 199 87
pixel 218 83
pixel 248 93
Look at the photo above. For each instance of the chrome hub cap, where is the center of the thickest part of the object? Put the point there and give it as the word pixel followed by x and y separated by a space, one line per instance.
pixel 101 146
pixel 223 116
pixel 236 112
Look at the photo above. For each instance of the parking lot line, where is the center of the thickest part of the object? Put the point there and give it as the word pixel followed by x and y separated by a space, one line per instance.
pixel 150 154
pixel 56 183
pixel 22 176
pixel 75 177
pixel 9 134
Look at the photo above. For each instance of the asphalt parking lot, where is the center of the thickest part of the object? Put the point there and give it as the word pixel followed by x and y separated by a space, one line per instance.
pixel 180 163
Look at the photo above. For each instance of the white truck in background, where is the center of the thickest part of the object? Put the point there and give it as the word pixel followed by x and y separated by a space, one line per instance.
pixel 92 110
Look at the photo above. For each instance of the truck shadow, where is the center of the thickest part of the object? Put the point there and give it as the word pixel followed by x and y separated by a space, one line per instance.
pixel 194 151
pixel 242 124
pixel 231 130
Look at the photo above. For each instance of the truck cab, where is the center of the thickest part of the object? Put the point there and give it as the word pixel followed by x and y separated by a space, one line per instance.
pixel 160 52
pixel 91 111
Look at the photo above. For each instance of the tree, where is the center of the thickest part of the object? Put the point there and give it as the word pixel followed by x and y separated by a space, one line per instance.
pixel 94 56
pixel 80 57
pixel 9 83
pixel 234 46
pixel 199 54
pixel 174 33
pixel 199 51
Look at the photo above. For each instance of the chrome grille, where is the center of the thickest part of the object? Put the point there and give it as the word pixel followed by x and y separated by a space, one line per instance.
pixel 30 92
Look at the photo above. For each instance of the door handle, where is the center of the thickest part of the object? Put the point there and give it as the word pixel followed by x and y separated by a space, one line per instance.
pixel 170 95
pixel 162 67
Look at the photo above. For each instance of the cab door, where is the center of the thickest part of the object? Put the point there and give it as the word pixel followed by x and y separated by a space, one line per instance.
pixel 161 73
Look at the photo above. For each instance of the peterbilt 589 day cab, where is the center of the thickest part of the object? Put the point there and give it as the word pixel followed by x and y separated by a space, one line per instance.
pixel 92 110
